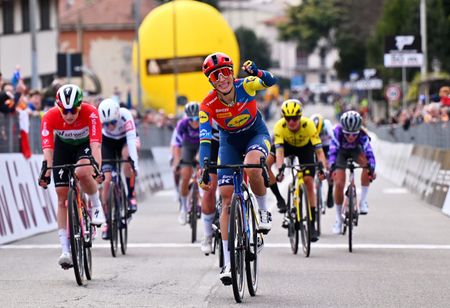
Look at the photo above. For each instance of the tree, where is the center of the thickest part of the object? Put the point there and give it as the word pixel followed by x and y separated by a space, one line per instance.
pixel 253 48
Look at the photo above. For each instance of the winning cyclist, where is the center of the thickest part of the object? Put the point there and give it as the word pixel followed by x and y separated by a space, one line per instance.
pixel 119 141
pixel 187 143
pixel 325 130
pixel 297 135
pixel 350 140
pixel 71 133
pixel 243 133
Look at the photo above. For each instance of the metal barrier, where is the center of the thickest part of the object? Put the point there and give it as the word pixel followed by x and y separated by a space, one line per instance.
pixel 435 135
pixel 150 135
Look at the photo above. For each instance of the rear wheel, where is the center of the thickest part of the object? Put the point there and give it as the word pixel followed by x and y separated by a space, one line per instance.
pixel 236 244
pixel 251 257
pixel 319 205
pixel 76 237
pixel 123 222
pixel 305 222
pixel 293 223
pixel 113 216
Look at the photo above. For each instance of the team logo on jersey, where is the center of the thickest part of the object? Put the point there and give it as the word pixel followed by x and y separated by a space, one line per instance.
pixel 267 143
pixel 239 120
pixel 45 132
pixel 223 115
pixel 203 117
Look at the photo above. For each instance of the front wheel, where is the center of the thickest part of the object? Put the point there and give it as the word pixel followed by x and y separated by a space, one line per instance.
pixel 293 224
pixel 123 222
pixel 87 245
pixel 351 216
pixel 236 243
pixel 76 237
pixel 194 212
pixel 319 205
pixel 113 216
pixel 251 257
pixel 305 221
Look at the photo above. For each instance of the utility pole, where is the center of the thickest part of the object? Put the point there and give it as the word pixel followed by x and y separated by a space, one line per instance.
pixel 423 34
pixel 32 9
pixel 137 21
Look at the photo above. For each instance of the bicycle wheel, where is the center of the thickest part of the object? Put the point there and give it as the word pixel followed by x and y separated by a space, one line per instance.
pixel 193 213
pixel 113 218
pixel 236 243
pixel 293 223
pixel 123 221
pixel 76 237
pixel 305 222
pixel 251 257
pixel 319 205
pixel 351 209
pixel 87 244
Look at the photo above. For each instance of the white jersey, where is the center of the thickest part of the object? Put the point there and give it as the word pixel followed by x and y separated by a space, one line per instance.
pixel 326 134
pixel 125 128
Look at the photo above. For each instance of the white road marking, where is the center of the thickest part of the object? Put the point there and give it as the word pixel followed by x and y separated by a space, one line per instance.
pixel 267 245
pixel 398 190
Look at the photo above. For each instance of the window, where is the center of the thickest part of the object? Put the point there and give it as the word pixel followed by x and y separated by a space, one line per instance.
pixel 8 17
pixel 323 78
pixel 25 15
pixel 44 11
pixel 322 54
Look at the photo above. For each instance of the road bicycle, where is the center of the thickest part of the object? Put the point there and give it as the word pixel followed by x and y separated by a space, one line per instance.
pixel 80 230
pixel 193 207
pixel 217 236
pixel 117 207
pixel 244 239
pixel 299 208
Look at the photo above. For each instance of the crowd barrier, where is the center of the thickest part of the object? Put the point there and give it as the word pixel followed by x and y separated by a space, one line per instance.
pixel 27 209
pixel 424 170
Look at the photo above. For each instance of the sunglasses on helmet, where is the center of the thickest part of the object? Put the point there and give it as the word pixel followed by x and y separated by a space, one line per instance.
pixel 73 110
pixel 113 122
pixel 294 118
pixel 224 71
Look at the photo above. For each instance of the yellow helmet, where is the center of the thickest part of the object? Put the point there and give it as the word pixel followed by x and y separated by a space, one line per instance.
pixel 292 108
pixel 318 121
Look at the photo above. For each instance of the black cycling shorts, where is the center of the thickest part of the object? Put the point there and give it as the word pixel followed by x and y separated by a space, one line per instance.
pixel 305 155
pixel 343 154
pixel 111 149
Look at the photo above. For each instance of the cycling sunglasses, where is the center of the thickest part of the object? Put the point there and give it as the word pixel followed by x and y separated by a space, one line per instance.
pixel 224 71
pixel 353 134
pixel 294 119
pixel 194 119
pixel 73 111
pixel 113 122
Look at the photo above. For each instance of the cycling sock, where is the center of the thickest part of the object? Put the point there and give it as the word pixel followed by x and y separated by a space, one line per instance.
pixel 184 204
pixel 276 191
pixel 207 223
pixel 313 214
pixel 130 186
pixel 261 202
pixel 64 241
pixel 338 212
pixel 226 253
pixel 95 200
pixel 364 192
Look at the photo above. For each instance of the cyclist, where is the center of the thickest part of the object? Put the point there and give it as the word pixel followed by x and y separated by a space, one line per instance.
pixel 119 141
pixel 325 130
pixel 71 133
pixel 350 140
pixel 297 135
pixel 243 135
pixel 187 143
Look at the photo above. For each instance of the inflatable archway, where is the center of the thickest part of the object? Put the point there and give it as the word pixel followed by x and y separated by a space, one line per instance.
pixel 171 60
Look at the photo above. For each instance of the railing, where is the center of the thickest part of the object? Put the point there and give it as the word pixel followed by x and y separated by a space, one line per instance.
pixel 150 135
pixel 436 135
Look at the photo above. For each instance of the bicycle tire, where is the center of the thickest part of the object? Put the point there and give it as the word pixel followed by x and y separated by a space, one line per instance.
pixel 236 243
pixel 76 237
pixel 113 219
pixel 351 208
pixel 319 206
pixel 87 244
pixel 251 256
pixel 305 222
pixel 293 224
pixel 123 222
pixel 193 213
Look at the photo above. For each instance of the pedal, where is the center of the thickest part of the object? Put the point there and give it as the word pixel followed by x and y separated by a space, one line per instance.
pixel 263 231
pixel 250 256
pixel 66 266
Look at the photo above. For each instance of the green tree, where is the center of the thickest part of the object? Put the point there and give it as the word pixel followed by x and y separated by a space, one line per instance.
pixel 253 48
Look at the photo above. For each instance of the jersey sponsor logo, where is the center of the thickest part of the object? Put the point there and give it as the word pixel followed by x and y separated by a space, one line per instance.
pixel 250 79
pixel 203 117
pixel 239 120
pixel 267 143
pixel 73 134
pixel 129 126
pixel 223 110
pixel 45 132
pixel 93 116
pixel 223 115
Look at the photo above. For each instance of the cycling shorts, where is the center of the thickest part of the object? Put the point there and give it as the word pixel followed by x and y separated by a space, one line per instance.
pixel 343 154
pixel 65 153
pixel 214 154
pixel 305 155
pixel 112 149
pixel 188 153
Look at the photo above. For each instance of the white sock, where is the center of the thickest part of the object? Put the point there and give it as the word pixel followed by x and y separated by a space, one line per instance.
pixel 261 202
pixel 226 253
pixel 364 192
pixel 184 201
pixel 95 199
pixel 338 212
pixel 207 223
pixel 63 240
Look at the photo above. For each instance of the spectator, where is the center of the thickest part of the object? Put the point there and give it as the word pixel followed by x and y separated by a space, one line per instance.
pixel 34 102
pixel 432 113
pixel 50 94
pixel 7 98
pixel 444 95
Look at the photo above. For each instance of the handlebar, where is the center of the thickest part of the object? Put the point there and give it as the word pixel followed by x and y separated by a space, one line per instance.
pixel 118 161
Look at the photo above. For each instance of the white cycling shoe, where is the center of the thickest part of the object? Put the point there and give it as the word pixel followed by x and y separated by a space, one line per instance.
pixel 363 208
pixel 337 227
pixel 182 218
pixel 206 245
pixel 225 275
pixel 98 216
pixel 65 260
pixel 265 222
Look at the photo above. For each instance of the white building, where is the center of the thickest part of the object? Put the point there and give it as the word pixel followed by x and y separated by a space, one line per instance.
pixel 315 70
pixel 15 38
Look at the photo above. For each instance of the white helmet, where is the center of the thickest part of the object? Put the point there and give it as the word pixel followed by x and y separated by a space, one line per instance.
pixel 351 121
pixel 109 110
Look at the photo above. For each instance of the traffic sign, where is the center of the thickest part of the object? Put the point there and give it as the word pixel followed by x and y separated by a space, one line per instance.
pixel 393 93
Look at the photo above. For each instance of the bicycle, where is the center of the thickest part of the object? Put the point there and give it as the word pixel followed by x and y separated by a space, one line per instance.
pixel 350 210
pixel 320 207
pixel 217 235
pixel 245 242
pixel 79 226
pixel 117 206
pixel 299 208
pixel 193 210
